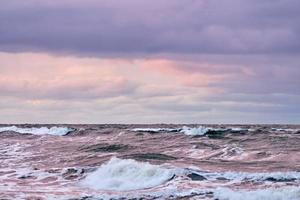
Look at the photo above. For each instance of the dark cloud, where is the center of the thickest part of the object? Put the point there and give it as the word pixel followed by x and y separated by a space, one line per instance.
pixel 143 27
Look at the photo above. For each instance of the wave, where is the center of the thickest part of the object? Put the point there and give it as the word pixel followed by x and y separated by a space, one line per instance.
pixel 255 177
pixel 202 130
pixel 186 130
pixel 291 130
pixel 192 131
pixel 125 174
pixel 60 131
pixel 156 130
pixel 286 193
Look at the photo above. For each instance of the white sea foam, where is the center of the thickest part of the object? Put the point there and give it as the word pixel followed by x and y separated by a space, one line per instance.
pixel 240 129
pixel 286 193
pixel 191 131
pixel 156 130
pixel 122 175
pixel 38 131
pixel 232 152
pixel 292 130
pixel 201 130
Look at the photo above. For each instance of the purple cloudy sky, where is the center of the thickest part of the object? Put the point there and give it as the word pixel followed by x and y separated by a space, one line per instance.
pixel 138 61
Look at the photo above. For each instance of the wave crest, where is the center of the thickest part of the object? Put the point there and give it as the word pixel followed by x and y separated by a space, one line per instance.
pixel 122 175
pixel 60 131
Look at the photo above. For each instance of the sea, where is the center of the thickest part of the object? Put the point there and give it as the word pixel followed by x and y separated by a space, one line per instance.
pixel 145 162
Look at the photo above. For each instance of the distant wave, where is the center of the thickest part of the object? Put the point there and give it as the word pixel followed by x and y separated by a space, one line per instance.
pixel 191 131
pixel 60 131
pixel 254 177
pixel 292 130
pixel 156 130
pixel 201 130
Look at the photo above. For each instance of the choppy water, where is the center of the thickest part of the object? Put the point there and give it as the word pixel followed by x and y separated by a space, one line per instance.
pixel 150 162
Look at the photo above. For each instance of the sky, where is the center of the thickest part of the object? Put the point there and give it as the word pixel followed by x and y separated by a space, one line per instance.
pixel 141 61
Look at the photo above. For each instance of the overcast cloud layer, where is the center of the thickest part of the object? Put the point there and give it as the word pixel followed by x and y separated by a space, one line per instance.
pixel 138 61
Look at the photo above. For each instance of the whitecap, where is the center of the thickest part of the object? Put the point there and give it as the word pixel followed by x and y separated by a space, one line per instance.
pixel 201 130
pixel 156 130
pixel 191 131
pixel 291 130
pixel 60 131
pixel 123 175
pixel 248 176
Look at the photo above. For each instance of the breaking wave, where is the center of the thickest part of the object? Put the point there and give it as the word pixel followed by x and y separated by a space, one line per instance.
pixel 191 131
pixel 123 175
pixel 156 130
pixel 186 130
pixel 201 130
pixel 126 174
pixel 60 131
pixel 255 177
pixel 291 130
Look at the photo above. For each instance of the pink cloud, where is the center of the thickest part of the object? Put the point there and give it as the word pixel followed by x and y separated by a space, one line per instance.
pixel 60 78
pixel 190 74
